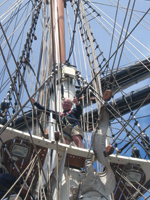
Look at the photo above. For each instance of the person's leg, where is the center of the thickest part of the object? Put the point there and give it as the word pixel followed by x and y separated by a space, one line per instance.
pixel 67 141
pixel 78 141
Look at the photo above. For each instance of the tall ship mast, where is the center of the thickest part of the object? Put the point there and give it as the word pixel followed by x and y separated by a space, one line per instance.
pixel 94 54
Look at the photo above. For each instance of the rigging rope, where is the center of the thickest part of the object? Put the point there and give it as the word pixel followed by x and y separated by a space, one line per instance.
pixel 74 31
pixel 123 36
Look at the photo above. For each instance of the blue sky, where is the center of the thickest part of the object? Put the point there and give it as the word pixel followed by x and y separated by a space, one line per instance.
pixel 102 30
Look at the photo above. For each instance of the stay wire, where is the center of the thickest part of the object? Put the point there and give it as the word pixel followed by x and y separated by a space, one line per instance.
pixel 114 52
pixel 74 31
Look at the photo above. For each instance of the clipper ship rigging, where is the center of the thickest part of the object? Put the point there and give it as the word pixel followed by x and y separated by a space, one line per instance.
pixel 97 51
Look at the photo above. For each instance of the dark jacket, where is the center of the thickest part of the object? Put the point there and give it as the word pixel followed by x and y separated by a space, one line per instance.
pixel 72 116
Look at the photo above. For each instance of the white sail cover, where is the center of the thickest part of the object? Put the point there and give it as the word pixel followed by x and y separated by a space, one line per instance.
pixel 95 185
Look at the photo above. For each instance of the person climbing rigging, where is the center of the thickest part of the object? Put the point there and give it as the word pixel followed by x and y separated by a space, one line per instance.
pixel 68 120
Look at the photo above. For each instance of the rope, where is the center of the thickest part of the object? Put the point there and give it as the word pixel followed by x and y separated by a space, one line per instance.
pixel 72 41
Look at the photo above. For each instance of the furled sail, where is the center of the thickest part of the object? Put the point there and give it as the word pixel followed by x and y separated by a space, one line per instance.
pixel 97 185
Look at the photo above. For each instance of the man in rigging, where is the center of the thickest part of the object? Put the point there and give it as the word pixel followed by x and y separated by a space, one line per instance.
pixel 68 120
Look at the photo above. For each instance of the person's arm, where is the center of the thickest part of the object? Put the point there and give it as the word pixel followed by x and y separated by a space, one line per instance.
pixel 79 109
pixel 75 100
pixel 40 107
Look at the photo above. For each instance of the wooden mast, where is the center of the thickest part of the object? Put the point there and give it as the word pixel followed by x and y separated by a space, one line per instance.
pixel 58 31
pixel 61 29
pixel 64 77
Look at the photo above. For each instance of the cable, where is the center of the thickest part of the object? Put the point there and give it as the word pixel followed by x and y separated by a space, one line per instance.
pixel 74 31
